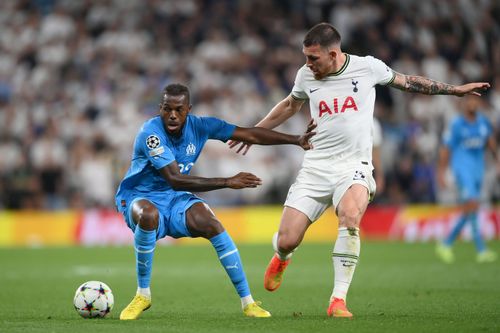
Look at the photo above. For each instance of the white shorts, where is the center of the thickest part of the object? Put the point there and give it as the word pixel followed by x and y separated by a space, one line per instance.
pixel 317 188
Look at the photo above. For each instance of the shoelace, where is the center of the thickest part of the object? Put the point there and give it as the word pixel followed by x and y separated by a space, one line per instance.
pixel 281 265
pixel 254 304
pixel 339 301
pixel 134 305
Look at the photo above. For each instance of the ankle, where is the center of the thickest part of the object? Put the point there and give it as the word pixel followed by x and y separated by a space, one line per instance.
pixel 146 292
pixel 283 256
pixel 246 300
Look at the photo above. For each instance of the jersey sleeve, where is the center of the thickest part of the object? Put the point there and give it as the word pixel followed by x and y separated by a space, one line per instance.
pixel 298 90
pixel 383 74
pixel 217 129
pixel 152 145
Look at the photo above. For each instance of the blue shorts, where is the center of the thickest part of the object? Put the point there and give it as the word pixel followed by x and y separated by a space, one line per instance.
pixel 469 185
pixel 172 212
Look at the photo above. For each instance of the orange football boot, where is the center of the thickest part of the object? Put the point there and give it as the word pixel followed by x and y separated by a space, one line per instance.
pixel 274 273
pixel 338 308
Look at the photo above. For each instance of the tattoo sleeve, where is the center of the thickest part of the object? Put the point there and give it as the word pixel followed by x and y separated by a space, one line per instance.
pixel 422 85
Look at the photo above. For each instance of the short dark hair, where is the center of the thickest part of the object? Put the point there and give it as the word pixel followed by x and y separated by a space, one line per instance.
pixel 176 89
pixel 323 34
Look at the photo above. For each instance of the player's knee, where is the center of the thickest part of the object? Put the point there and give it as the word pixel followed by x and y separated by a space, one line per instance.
pixel 287 243
pixel 350 217
pixel 209 228
pixel 147 218
pixel 471 206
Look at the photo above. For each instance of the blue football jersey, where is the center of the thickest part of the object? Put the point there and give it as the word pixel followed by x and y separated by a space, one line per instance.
pixel 154 149
pixel 467 143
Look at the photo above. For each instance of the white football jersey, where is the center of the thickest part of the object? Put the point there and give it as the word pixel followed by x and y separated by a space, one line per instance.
pixel 342 105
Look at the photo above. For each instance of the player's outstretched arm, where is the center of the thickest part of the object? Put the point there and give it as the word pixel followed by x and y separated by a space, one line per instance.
pixel 278 115
pixel 427 86
pixel 182 182
pixel 263 136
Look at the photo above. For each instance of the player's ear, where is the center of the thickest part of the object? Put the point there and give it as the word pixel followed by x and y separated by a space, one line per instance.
pixel 332 53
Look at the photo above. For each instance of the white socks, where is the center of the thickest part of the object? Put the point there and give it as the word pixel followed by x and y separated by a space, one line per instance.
pixel 246 300
pixel 146 292
pixel 345 258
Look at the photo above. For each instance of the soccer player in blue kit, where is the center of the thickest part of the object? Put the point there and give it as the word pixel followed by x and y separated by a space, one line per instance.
pixel 465 142
pixel 155 199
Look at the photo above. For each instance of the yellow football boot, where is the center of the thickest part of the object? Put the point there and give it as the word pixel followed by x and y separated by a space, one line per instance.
pixel 445 253
pixel 254 310
pixel 138 305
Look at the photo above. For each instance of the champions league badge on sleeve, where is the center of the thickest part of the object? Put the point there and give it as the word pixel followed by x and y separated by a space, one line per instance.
pixel 153 142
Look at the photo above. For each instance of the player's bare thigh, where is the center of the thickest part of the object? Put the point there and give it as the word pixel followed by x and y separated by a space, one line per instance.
pixel 352 206
pixel 293 226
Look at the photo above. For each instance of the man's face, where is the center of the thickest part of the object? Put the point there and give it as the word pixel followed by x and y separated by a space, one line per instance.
pixel 471 104
pixel 319 60
pixel 173 112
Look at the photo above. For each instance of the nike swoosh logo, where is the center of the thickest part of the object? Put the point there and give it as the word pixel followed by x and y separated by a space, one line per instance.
pixel 348 265
pixel 312 90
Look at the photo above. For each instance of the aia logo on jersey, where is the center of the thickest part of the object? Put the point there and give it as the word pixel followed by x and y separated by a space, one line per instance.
pixel 190 149
pixel 348 103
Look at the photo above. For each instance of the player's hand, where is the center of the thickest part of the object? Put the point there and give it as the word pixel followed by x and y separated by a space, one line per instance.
pixel 243 146
pixel 243 180
pixel 476 89
pixel 304 138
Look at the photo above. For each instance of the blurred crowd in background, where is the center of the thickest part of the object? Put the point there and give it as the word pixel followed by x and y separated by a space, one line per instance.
pixel 79 77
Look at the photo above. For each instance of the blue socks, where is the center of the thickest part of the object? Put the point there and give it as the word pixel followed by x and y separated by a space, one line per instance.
pixel 230 260
pixel 456 230
pixel 227 252
pixel 476 235
pixel 144 242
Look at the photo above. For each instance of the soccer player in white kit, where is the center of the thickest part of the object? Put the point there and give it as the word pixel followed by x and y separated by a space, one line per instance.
pixel 338 170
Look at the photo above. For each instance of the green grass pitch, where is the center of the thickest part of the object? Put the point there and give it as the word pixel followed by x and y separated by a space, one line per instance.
pixel 397 288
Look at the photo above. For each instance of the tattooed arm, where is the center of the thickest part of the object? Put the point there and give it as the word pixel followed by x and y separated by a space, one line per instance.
pixel 427 86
